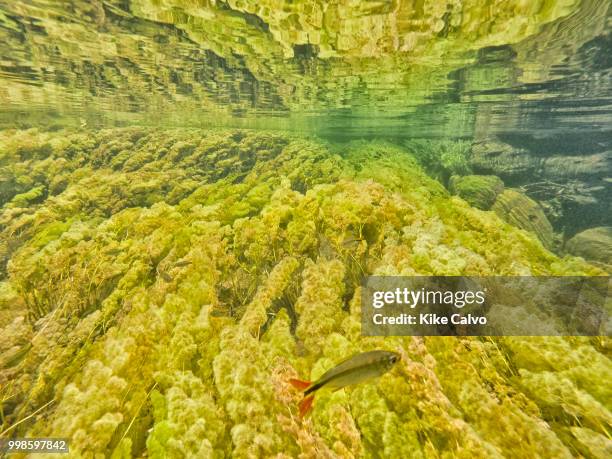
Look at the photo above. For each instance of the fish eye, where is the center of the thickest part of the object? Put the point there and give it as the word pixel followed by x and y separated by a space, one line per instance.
pixel 393 358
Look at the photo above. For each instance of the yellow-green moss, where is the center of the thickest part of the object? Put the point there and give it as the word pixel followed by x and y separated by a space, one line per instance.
pixel 157 303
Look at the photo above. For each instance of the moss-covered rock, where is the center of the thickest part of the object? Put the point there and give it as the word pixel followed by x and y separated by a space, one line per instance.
pixel 593 244
pixel 570 186
pixel 523 212
pixel 480 191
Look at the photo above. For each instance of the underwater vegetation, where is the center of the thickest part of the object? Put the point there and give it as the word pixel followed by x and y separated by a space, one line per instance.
pixel 161 287
pixel 563 198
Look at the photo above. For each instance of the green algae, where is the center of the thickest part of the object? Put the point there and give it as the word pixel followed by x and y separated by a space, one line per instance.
pixel 157 301
pixel 480 191
pixel 442 158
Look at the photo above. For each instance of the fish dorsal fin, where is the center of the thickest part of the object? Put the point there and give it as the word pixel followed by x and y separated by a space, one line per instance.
pixel 300 384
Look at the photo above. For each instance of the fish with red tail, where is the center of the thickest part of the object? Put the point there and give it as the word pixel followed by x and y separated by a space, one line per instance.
pixel 358 368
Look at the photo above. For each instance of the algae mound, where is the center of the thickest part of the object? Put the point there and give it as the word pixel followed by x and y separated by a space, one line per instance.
pixel 594 244
pixel 160 287
pixel 480 191
pixel 522 211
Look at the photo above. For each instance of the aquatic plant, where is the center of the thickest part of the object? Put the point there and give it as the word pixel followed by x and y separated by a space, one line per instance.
pixel 157 297
pixel 442 158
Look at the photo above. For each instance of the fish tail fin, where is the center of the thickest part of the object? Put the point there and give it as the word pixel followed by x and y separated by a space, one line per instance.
pixel 299 384
pixel 306 405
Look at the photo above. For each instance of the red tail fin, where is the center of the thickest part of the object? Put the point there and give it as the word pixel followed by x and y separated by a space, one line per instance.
pixel 306 405
pixel 299 384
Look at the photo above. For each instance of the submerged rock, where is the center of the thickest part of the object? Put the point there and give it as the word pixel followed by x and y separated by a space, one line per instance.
pixel 587 167
pixel 479 190
pixel 510 163
pixel 592 244
pixel 572 189
pixel 522 211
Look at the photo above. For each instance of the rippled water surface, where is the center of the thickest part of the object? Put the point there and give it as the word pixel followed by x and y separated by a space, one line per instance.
pixel 342 69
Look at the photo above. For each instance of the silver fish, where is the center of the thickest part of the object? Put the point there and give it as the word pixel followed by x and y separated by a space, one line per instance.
pixel 358 368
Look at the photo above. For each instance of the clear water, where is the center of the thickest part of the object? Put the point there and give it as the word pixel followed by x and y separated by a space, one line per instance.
pixel 533 77
pixel 160 282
